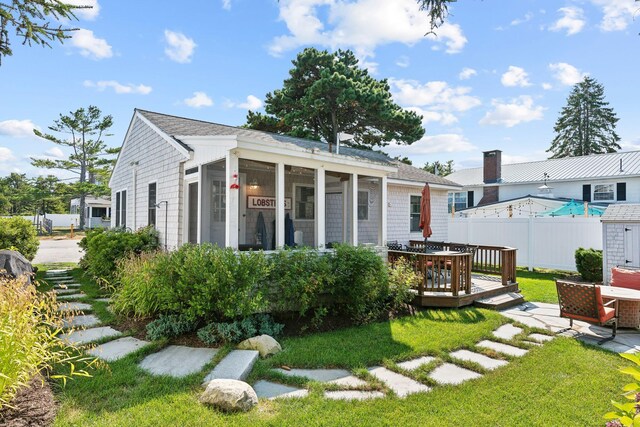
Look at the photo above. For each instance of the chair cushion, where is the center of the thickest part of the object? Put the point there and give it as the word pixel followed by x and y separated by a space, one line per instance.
pixel 623 278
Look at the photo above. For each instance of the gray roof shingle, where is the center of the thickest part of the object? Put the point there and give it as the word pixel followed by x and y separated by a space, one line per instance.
pixel 622 212
pixel 410 173
pixel 181 126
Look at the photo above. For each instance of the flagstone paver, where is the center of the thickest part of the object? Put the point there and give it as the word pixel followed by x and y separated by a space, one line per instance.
pixel 67 285
pixel 87 320
pixel 62 291
pixel 401 385
pixel 507 332
pixel 294 394
pixel 74 306
pixel 448 373
pixel 353 395
pixel 56 271
pixel 482 360
pixel 270 390
pixel 321 375
pixel 89 335
pixel 412 365
pixel 349 382
pixel 71 296
pixel 103 299
pixel 178 360
pixel 540 337
pixel 502 348
pixel 236 365
pixel 117 349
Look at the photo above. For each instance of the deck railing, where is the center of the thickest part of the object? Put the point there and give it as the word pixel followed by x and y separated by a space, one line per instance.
pixel 500 260
pixel 440 273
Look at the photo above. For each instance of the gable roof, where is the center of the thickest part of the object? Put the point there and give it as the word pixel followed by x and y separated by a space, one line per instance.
pixel 622 212
pixel 565 169
pixel 411 173
pixel 175 126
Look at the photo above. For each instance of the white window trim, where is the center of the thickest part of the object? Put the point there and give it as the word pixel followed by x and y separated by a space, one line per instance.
pixel 613 198
pixel 409 215
pixel 122 210
pixel 367 204
pixel 155 181
pixel 293 201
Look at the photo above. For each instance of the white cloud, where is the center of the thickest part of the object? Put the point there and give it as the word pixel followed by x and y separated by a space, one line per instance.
pixel 547 86
pixel 527 17
pixel 428 116
pixel 17 128
pixel 361 25
pixel 442 143
pixel 179 47
pixel 55 152
pixel 226 4
pixel 6 155
pixel 467 73
pixel 572 20
pixel 253 103
pixel 119 88
pixel 515 76
pixel 566 74
pixel 85 13
pixel 518 110
pixel 403 62
pixel 617 14
pixel 199 100
pixel 91 46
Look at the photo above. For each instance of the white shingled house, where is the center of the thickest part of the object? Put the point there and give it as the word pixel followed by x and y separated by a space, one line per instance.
pixel 248 189
pixel 620 238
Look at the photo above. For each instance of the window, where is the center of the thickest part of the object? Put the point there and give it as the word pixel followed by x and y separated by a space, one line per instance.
pixel 152 203
pixel 459 200
pixel 98 212
pixel 304 202
pixel 414 214
pixel 123 220
pixel 621 191
pixel 121 208
pixel 603 192
pixel 363 205
pixel 118 209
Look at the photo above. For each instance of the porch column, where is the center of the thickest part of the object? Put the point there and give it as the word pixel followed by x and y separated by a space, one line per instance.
pixel 321 216
pixel 279 205
pixel 233 202
pixel 382 231
pixel 353 190
pixel 345 212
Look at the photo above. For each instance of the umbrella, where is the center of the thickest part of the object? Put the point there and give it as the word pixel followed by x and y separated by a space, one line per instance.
pixel 574 208
pixel 425 212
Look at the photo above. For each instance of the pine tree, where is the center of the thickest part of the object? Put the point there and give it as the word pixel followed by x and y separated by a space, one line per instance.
pixel 586 124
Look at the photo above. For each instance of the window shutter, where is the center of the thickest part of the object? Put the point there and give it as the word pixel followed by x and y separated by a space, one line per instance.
pixel 586 192
pixel 621 191
pixel 470 199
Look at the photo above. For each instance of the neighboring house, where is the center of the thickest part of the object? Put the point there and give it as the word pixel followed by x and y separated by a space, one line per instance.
pixel 248 189
pixel 528 206
pixel 97 211
pixel 620 238
pixel 597 178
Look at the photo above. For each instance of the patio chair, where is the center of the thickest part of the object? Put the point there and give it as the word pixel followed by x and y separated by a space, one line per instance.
pixel 394 246
pixel 583 301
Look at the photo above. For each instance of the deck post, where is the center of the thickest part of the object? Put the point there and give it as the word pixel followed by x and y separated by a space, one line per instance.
pixel 280 194
pixel 353 192
pixel 321 216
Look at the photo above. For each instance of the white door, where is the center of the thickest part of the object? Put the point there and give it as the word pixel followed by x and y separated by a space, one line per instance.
pixel 632 245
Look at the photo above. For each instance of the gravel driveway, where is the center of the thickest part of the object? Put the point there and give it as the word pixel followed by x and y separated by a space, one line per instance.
pixel 50 251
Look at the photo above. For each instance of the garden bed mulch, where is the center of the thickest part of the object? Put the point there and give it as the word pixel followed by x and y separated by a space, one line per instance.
pixel 33 406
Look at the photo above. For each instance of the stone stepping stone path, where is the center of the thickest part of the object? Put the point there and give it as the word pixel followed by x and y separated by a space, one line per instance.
pixel 71 296
pixel 412 365
pixel 74 306
pixel 103 299
pixel 117 349
pixel 61 291
pixel 178 361
pixel 353 395
pixel 401 385
pixel 67 286
pixel 271 390
pixel 507 332
pixel 482 360
pixel 87 321
pixel 448 373
pixel 236 365
pixel 349 382
pixel 540 337
pixel 88 335
pixel 321 375
pixel 56 272
pixel 502 348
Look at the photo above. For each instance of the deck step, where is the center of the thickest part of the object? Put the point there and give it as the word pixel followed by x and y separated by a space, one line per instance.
pixel 500 302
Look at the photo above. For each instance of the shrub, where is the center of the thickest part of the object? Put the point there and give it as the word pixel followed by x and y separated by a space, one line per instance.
pixel 19 234
pixel 239 330
pixel 29 326
pixel 627 414
pixel 402 278
pixel 169 327
pixel 103 248
pixel 589 264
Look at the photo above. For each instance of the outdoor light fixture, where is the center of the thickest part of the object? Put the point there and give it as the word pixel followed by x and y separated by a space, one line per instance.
pixel 254 184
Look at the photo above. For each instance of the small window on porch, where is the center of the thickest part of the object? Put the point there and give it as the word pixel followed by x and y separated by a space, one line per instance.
pixel 363 205
pixel 304 202
pixel 415 213
pixel 603 192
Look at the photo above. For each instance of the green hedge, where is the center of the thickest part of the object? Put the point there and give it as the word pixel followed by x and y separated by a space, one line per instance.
pixel 589 264
pixel 19 234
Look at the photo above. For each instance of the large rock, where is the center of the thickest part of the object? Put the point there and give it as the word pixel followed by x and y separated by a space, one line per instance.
pixel 265 345
pixel 229 395
pixel 15 265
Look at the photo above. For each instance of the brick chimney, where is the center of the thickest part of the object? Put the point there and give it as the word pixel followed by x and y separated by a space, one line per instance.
pixel 491 174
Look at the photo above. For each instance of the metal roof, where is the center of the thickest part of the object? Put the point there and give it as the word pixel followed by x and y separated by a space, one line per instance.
pixel 565 169
pixel 622 212
pixel 411 173
pixel 180 126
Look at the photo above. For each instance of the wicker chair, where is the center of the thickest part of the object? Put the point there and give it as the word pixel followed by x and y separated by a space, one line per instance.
pixel 583 301
pixel 394 246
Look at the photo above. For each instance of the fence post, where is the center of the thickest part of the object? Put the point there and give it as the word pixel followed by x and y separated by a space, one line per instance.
pixel 530 246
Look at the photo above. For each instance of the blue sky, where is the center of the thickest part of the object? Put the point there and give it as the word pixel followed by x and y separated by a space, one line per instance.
pixel 495 77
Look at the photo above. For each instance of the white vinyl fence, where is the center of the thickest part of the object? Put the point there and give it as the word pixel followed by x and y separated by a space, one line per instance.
pixel 541 242
pixel 59 220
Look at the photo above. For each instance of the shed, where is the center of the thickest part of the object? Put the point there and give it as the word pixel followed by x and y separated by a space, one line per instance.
pixel 620 237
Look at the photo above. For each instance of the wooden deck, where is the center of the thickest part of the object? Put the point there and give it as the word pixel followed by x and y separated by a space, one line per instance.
pixel 482 286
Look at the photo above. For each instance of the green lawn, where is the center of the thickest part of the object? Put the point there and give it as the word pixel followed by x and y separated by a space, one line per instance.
pixel 561 383
pixel 538 286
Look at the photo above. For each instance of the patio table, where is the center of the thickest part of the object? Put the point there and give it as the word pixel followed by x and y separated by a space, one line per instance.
pixel 628 305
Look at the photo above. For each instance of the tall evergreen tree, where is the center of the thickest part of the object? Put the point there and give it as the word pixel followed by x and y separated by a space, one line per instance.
pixel 83 130
pixel 437 168
pixel 586 124
pixel 328 93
